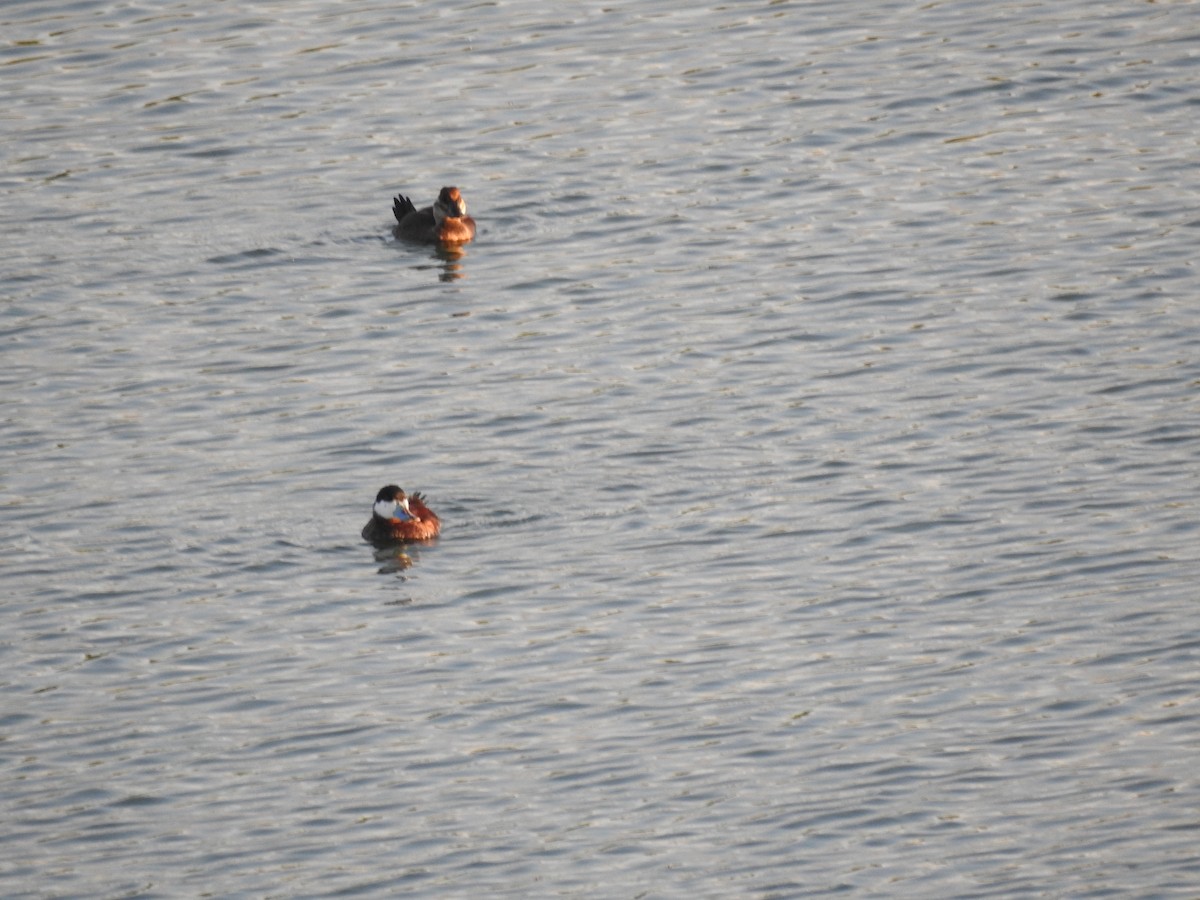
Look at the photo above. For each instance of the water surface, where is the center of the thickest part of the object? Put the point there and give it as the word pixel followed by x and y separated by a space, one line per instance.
pixel 813 424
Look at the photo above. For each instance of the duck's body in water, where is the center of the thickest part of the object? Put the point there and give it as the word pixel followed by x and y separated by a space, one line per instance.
pixel 397 518
pixel 445 222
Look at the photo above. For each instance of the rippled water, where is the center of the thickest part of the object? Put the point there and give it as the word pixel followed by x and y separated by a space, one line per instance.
pixel 814 425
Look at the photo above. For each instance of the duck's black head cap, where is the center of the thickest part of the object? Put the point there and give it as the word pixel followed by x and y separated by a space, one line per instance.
pixel 391 492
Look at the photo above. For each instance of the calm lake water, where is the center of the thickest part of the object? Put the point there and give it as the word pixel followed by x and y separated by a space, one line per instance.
pixel 815 426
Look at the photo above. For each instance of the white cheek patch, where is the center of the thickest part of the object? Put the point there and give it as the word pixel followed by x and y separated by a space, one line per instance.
pixel 386 508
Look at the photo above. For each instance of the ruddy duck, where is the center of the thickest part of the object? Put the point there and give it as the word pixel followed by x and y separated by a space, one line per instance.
pixel 397 517
pixel 446 222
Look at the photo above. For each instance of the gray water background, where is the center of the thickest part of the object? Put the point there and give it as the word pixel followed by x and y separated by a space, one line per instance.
pixel 814 424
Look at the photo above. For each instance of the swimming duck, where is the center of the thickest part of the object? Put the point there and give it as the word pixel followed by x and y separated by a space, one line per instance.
pixel 446 222
pixel 397 517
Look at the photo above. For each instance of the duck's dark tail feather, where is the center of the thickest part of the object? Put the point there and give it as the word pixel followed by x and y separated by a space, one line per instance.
pixel 402 206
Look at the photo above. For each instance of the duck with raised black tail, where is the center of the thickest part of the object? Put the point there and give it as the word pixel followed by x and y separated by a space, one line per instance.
pixel 444 222
pixel 397 518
